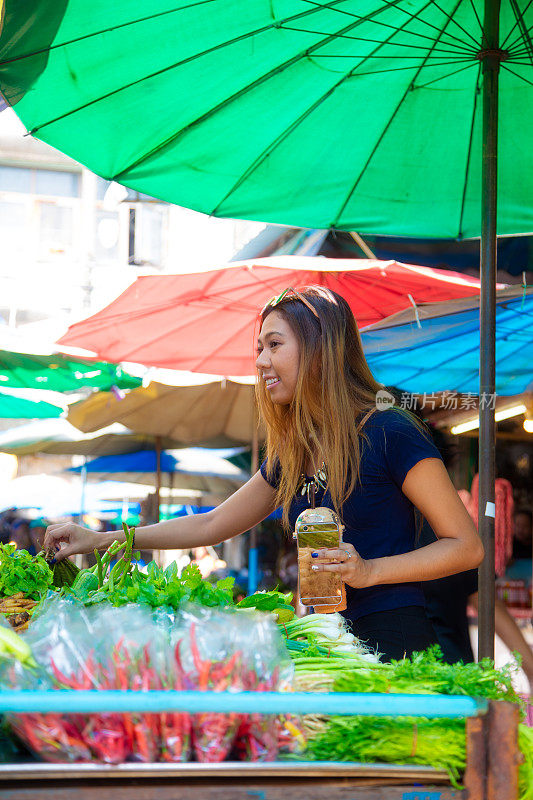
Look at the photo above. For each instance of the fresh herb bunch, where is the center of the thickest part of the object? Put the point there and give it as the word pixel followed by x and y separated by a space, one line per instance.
pixel 22 572
pixel 399 740
pixel 427 673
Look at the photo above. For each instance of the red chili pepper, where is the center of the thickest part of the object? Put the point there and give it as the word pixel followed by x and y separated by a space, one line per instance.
pixel 61 678
pixel 198 663
pixel 177 658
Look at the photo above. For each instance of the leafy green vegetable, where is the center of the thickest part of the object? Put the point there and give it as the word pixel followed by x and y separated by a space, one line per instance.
pixel 525 769
pixel 21 572
pixel 64 573
pixel 267 601
pixel 427 673
pixel 123 582
pixel 399 740
pixel 439 742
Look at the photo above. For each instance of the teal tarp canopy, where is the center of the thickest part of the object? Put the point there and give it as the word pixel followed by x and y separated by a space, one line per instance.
pixel 443 353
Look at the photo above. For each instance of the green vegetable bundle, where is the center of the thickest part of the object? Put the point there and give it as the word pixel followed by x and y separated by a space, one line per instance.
pixel 274 602
pixel 21 572
pixel 427 673
pixel 439 743
pixel 64 573
pixel 123 582
pixel 525 770
pixel 397 740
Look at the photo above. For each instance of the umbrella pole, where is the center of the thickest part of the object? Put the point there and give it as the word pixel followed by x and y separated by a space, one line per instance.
pixel 158 475
pixel 490 57
pixel 83 488
pixel 252 551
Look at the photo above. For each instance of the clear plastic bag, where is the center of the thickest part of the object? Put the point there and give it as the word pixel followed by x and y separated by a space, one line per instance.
pixel 93 648
pixel 230 650
pixel 126 648
pixel 206 660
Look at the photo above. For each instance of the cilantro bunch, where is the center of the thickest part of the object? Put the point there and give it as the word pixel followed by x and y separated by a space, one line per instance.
pixel 21 572
pixel 427 673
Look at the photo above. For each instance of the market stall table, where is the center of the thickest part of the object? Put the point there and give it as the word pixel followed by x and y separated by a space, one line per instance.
pixel 491 752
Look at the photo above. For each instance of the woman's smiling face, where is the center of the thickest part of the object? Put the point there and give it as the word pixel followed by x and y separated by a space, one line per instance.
pixel 278 358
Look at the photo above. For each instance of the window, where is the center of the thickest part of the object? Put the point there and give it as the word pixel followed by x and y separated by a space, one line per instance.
pixel 58 184
pixel 55 227
pixel 146 231
pixel 101 187
pixel 39 181
pixel 15 179
pixel 107 236
pixel 152 235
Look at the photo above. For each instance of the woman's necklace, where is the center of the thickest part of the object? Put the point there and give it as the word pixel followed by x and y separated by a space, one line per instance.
pixel 309 483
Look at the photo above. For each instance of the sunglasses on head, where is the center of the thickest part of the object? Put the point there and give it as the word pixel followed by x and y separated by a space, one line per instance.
pixel 289 294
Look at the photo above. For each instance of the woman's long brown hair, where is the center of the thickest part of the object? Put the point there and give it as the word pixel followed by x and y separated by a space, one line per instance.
pixel 335 393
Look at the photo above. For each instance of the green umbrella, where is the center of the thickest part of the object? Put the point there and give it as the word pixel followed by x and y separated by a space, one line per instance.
pixel 60 373
pixel 374 115
pixel 13 407
pixel 357 114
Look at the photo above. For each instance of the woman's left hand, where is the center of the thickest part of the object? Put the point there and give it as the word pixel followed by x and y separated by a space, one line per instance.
pixel 345 560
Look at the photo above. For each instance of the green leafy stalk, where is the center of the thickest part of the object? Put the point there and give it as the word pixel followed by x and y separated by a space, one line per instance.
pixel 99 568
pixel 398 740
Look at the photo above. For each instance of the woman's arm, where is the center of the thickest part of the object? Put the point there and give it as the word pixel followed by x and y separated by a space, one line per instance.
pixel 248 506
pixel 458 548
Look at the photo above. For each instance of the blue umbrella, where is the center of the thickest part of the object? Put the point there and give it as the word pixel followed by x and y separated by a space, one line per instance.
pixel 198 469
pixel 438 349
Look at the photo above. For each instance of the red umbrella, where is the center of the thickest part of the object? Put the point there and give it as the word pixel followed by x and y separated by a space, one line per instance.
pixel 206 322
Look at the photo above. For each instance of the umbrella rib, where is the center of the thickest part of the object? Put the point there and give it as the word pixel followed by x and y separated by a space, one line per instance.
pixel 474 9
pixel 452 19
pixel 180 63
pixel 397 7
pixel 105 30
pixel 504 66
pixel 290 128
pixel 387 58
pixel 382 44
pixel 523 29
pixel 469 152
pixel 518 18
pixel 245 89
pixel 380 139
pixel 443 77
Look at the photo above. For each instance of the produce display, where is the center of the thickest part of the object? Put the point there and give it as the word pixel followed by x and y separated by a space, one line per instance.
pixel 24 579
pixel 107 648
pixel 115 626
pixel 438 742
pixel 17 610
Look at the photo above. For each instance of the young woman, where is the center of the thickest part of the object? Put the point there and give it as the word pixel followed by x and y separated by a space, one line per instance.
pixel 317 397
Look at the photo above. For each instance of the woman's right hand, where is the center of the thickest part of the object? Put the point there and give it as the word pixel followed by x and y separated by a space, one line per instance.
pixel 78 539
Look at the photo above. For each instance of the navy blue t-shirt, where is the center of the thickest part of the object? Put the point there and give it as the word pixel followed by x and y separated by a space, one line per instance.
pixel 379 519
